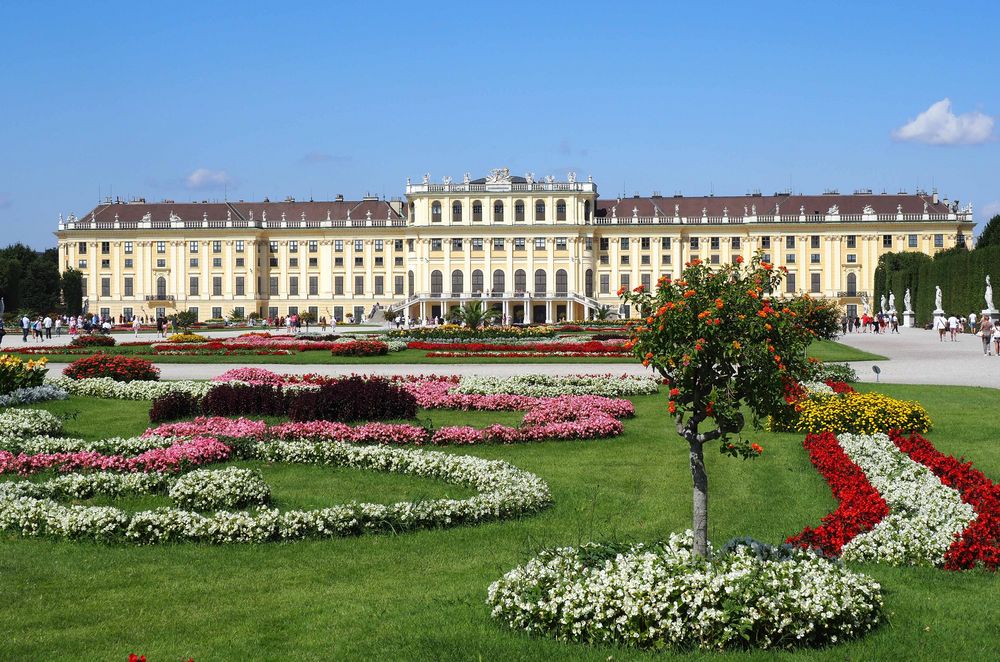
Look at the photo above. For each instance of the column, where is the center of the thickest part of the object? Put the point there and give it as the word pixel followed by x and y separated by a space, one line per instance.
pixel 548 312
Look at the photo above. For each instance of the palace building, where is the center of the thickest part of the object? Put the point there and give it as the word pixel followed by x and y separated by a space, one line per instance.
pixel 538 250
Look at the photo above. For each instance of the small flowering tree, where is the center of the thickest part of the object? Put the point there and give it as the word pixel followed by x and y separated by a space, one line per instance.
pixel 722 340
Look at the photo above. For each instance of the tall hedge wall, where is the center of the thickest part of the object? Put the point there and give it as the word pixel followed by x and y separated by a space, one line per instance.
pixel 960 273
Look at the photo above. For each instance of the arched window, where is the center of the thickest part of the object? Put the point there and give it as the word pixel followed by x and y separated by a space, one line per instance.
pixel 540 283
pixel 498 212
pixel 852 284
pixel 457 281
pixel 161 288
pixel 499 284
pixel 539 210
pixel 519 210
pixel 560 210
pixel 586 211
pixel 477 210
pixel 435 212
pixel 477 281
pixel 588 283
pixel 437 282
pixel 520 281
pixel 562 283
pixel 456 212
pixel 412 282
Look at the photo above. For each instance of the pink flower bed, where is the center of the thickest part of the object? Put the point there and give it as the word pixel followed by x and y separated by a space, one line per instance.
pixel 193 452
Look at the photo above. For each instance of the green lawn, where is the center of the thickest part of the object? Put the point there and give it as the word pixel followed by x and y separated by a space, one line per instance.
pixel 831 350
pixel 421 595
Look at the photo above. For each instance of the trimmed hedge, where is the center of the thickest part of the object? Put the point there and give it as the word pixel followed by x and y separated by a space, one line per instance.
pixel 353 399
pixel 92 341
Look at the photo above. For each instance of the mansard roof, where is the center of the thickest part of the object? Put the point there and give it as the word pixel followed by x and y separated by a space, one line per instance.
pixel 214 211
pixel 768 205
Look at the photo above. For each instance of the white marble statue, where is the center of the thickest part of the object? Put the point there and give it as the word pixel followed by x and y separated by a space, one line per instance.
pixel 865 304
pixel 881 305
pixel 892 302
pixel 937 297
pixel 906 302
pixel 989 294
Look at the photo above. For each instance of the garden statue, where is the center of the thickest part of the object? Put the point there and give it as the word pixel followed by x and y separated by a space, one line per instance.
pixel 881 305
pixel 906 302
pixel 937 298
pixel 892 302
pixel 989 294
pixel 866 306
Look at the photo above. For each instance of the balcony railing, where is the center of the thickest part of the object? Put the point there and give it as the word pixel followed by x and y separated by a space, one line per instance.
pixel 159 297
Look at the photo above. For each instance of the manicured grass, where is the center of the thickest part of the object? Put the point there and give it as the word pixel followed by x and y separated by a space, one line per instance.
pixel 830 350
pixel 421 595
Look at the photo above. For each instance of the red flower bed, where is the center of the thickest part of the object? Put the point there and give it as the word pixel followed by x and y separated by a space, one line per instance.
pixel 359 348
pixel 861 507
pixel 590 347
pixel 92 341
pixel 521 355
pixel 839 387
pixel 117 367
pixel 979 544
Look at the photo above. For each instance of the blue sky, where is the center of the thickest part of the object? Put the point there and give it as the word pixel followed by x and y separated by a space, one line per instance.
pixel 192 101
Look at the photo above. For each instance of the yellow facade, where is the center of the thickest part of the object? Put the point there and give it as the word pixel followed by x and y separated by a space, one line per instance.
pixel 535 250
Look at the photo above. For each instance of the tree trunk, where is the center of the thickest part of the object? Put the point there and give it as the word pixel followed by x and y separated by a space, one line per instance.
pixel 699 509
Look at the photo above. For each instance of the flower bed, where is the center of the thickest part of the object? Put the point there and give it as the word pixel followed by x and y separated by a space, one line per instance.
pixel 360 348
pixel 543 386
pixel 504 491
pixel 31 395
pixel 181 455
pixel 92 341
pixel 652 596
pixel 187 338
pixel 455 332
pixel 861 413
pixel 611 348
pixel 214 489
pixel 28 423
pixel 112 366
pixel 16 373
pixel 108 388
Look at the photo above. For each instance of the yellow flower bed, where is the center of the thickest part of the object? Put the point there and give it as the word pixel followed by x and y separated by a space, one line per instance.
pixel 16 373
pixel 187 337
pixel 861 413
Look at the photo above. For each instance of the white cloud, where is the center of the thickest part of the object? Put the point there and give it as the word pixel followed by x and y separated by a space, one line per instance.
pixel 939 126
pixel 204 179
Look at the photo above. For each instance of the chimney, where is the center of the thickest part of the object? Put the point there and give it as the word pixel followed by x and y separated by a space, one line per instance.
pixel 934 197
pixel 339 198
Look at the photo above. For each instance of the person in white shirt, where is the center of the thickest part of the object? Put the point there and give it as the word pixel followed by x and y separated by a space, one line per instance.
pixel 136 326
pixel 941 324
pixel 953 327
pixel 47 323
pixel 59 324
pixel 972 320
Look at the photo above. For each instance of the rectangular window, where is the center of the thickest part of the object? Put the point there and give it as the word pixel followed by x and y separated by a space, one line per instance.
pixel 887 241
pixel 736 243
pixel 814 241
pixel 626 281
pixel 939 241
pixel 273 262
pixel 105 264
pixel 128 263
pixel 359 285
pixel 239 245
pixel 410 245
pixel 216 246
pixel 664 259
pixel 397 285
pixel 127 312
pixel 790 258
pixel 644 243
pixel 765 242
pixel 105 287
pixel 272 246
pixel 359 245
pixel 293 247
pixel 814 258
pixel 435 244
pixel 359 261
pixel 238 312
pixel 217 262
pixel 456 244
pixel 313 285
pixel 814 282
pixel 605 283
pixel 217 286
pixel 313 262
pixel 338 285
pixel 338 246
pixel 293 261
pixel 766 257
pixel 313 246
pixel 397 261
pixel 397 244
pixel 359 313
pixel 338 261
pixel 539 243
pixel 193 263
pixel 338 313
pixel 713 258
pixel 193 286
pixel 128 248
pixel 217 312
pixel 604 244
pixel 477 244
pixel 645 279
pixel 129 286
pixel 379 244
pixel 379 285
pixel 789 242
pixel 852 258
pixel 193 246
pixel 714 243
pixel 644 260
pixel 560 243
pixel 694 243
pixel 241 286
pixel 624 259
pixel 852 241
pixel 81 247
pixel 790 283
pixel 519 243
pixel 160 263
pixel 273 286
pixel 241 262
pixel 293 286
pixel 498 243
pixel 665 243
pixel 623 243
pixel 161 247
pixel 911 241
pixel 604 259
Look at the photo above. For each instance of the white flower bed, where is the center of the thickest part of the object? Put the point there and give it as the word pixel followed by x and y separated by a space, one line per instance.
pixel 924 516
pixel 545 386
pixel 660 595
pixel 396 345
pixel 28 423
pixel 817 388
pixel 212 489
pixel 113 446
pixel 84 486
pixel 504 491
pixel 32 394
pixel 105 387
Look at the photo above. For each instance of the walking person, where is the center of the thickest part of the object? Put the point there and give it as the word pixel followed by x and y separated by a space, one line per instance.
pixel 986 334
pixel 953 327
pixel 47 323
pixel 136 326
pixel 3 331
pixel 941 324
pixel 25 328
pixel 59 326
pixel 996 338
